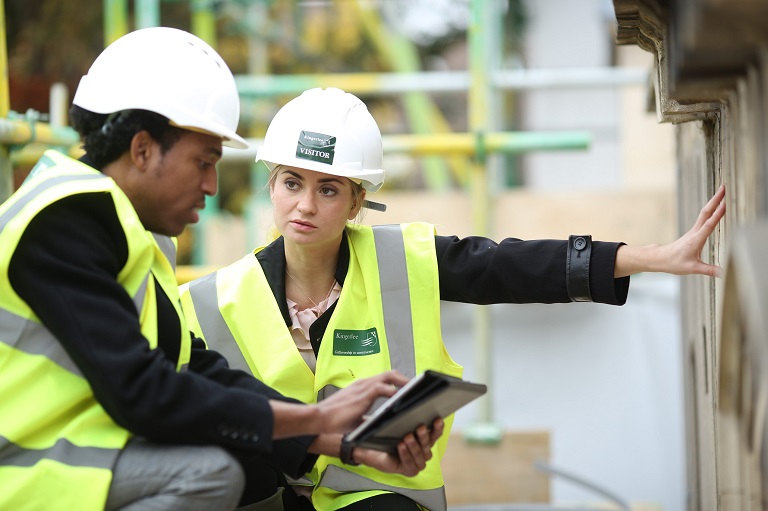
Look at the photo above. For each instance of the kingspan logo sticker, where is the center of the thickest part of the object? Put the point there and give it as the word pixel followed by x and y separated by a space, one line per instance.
pixel 356 343
pixel 316 147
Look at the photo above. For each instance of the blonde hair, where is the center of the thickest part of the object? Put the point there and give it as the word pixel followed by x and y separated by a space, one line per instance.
pixel 357 196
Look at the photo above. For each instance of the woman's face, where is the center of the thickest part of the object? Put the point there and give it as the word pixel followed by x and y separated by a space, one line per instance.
pixel 311 208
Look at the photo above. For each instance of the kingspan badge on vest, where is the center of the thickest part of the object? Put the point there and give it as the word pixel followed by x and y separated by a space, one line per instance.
pixel 356 343
pixel 316 147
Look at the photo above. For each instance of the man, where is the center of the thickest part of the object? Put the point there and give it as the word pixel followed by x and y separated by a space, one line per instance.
pixel 106 402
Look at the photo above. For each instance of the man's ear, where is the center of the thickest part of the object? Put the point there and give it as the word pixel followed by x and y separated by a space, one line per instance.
pixel 141 149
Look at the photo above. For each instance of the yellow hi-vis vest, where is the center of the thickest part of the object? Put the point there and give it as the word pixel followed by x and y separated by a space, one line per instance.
pixel 57 444
pixel 387 317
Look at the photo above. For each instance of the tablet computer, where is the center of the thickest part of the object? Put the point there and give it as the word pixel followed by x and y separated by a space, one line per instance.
pixel 422 400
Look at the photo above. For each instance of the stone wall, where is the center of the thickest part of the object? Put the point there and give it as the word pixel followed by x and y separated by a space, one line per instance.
pixel 710 80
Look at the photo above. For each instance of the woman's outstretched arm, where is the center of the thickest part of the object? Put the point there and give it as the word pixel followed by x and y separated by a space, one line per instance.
pixel 682 256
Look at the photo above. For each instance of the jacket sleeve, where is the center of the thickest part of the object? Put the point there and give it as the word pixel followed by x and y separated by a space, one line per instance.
pixel 479 270
pixel 290 454
pixel 65 267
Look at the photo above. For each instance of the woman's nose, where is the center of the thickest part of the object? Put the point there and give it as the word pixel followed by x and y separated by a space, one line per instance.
pixel 307 203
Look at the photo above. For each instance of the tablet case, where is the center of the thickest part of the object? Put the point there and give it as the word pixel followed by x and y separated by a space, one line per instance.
pixel 423 399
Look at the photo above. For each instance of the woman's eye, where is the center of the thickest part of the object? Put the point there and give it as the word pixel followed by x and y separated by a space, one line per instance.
pixel 327 191
pixel 291 185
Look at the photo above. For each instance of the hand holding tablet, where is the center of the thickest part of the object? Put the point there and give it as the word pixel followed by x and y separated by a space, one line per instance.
pixel 423 399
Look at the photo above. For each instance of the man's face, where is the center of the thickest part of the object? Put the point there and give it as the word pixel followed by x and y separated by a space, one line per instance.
pixel 175 184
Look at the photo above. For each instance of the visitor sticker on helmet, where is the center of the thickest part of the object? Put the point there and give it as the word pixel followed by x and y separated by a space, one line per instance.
pixel 328 131
pixel 316 147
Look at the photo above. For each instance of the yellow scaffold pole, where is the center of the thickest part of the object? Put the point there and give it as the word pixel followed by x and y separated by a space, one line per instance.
pixel 6 168
pixel 483 104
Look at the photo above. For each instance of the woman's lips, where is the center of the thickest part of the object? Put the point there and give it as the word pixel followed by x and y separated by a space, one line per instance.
pixel 302 226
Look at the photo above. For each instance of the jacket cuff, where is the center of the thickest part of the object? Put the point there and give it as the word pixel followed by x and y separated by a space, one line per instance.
pixel 604 286
pixel 577 268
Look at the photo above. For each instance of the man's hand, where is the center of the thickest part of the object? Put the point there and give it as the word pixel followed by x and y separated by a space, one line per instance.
pixel 344 410
pixel 340 413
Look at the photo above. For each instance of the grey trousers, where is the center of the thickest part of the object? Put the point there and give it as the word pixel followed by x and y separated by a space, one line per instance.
pixel 155 477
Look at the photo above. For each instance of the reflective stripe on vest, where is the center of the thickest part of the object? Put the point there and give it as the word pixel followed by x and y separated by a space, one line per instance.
pixel 167 247
pixel 338 479
pixel 29 337
pixel 395 297
pixel 12 455
pixel 215 330
pixel 30 196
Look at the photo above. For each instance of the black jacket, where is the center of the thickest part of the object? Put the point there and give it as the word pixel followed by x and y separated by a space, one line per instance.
pixel 481 271
pixel 65 267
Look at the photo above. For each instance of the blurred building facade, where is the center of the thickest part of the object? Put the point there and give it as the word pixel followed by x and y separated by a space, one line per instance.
pixel 710 81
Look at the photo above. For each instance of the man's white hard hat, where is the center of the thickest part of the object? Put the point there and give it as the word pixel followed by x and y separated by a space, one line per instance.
pixel 170 72
pixel 328 131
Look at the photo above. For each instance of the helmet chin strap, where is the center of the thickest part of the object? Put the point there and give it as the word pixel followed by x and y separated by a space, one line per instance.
pixel 374 205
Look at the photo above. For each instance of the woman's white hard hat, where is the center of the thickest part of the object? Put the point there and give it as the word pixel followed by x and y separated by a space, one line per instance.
pixel 328 131
pixel 170 72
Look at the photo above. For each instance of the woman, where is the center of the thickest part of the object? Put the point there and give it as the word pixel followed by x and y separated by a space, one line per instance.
pixel 340 301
